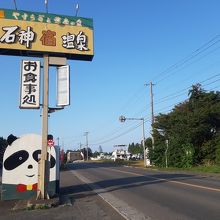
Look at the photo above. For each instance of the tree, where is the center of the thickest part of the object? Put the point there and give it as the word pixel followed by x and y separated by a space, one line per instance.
pixel 193 131
pixel 3 145
pixel 95 154
pixel 84 151
pixel 135 148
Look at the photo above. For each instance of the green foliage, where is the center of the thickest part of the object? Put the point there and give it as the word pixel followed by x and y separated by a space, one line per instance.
pixel 217 153
pixel 187 156
pixel 3 145
pixel 95 154
pixel 193 131
pixel 157 154
pixel 217 156
pixel 84 151
pixel 135 148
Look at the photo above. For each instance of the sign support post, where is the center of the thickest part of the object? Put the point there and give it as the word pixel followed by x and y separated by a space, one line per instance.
pixel 43 167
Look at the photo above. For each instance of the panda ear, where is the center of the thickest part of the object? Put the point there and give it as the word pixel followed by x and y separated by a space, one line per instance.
pixel 11 138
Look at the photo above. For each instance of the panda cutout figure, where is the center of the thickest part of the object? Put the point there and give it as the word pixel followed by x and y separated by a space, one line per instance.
pixel 20 167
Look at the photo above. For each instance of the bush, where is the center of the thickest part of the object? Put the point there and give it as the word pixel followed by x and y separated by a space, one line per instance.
pixel 217 156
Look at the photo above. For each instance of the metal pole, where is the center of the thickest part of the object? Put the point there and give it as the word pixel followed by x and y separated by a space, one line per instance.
pixel 77 9
pixel 43 168
pixel 15 5
pixel 46 4
pixel 144 142
pixel 167 145
pixel 87 155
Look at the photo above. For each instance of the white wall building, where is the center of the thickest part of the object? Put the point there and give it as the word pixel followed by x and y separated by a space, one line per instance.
pixel 120 154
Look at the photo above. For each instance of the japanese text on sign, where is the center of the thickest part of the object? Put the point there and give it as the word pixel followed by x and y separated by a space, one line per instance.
pixel 30 84
pixel 26 37
pixel 45 18
pixel 24 32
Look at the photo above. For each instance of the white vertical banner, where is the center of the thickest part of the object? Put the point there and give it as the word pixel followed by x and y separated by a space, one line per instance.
pixel 30 84
pixel 63 85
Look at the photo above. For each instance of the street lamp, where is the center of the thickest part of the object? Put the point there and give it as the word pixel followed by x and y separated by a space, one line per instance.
pixel 123 119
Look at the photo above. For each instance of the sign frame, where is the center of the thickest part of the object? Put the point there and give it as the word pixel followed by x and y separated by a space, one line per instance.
pixel 63 86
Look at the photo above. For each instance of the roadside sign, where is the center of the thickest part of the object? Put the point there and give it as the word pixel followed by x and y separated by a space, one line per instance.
pixel 63 85
pixel 30 85
pixel 50 143
pixel 25 33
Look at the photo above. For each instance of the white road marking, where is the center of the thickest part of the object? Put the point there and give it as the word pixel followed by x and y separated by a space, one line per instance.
pixel 128 212
pixel 167 180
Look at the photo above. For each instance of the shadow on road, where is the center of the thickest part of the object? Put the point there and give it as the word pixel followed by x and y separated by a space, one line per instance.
pixel 121 183
pixel 89 165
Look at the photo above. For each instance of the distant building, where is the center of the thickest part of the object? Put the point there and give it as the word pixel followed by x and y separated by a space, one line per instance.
pixel 120 154
pixel 74 155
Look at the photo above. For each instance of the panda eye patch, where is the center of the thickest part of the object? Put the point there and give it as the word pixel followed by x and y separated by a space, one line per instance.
pixel 37 155
pixel 16 160
pixel 52 161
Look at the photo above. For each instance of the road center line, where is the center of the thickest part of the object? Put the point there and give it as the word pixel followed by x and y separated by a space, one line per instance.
pixel 167 180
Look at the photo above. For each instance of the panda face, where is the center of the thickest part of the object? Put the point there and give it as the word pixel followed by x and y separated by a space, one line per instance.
pixel 20 162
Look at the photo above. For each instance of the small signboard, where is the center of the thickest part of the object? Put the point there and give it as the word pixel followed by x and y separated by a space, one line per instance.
pixel 50 143
pixel 30 85
pixel 63 85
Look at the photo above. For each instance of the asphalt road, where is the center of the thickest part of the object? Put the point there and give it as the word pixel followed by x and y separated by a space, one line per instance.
pixel 78 202
pixel 144 194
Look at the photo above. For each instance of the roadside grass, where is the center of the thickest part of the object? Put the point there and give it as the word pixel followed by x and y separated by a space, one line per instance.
pixel 135 163
pixel 198 169
pixel 140 163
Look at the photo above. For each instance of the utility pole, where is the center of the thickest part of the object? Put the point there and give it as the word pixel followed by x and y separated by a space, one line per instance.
pixel 87 155
pixel 43 176
pixel 152 110
pixel 144 149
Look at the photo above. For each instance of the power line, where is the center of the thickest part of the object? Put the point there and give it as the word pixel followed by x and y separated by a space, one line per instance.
pixel 175 94
pixel 133 98
pixel 148 119
pixel 188 58
pixel 124 133
pixel 189 64
pixel 200 50
pixel 116 137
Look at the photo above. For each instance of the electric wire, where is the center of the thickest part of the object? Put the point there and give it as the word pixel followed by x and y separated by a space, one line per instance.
pixel 148 120
pixel 187 58
pixel 169 70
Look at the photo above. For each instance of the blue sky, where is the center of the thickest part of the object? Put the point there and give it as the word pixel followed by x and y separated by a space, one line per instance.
pixel 173 43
